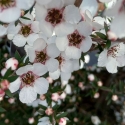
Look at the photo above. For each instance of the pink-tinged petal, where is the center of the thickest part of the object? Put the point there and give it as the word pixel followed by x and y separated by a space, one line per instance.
pixel 52 65
pixel 31 54
pixel 111 65
pixel 67 66
pixel 3 30
pixel 120 61
pixel 55 4
pixel 73 52
pixel 65 76
pixel 102 60
pixel 27 95
pixel 46 28
pixel 32 38
pixel 35 27
pixel 86 44
pixel 68 2
pixel 14 86
pixel 62 43
pixel 84 28
pixel 72 14
pixel 43 2
pixel 19 40
pixel 54 75
pixel 27 21
pixel 40 12
pixel 91 5
pixel 64 29
pixel 39 69
pixel 24 69
pixel 12 29
pixel 39 44
pixel 41 86
pixel 10 15
pixel 52 50
pixel 25 4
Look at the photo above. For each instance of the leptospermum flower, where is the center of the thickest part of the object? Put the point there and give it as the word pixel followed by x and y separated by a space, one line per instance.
pixel 76 42
pixel 112 58
pixel 42 53
pixel 44 121
pixel 3 30
pixel 10 10
pixel 118 12
pixel 26 31
pixel 30 83
pixel 55 17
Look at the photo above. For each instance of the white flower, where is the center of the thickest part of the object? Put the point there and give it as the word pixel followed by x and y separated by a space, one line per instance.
pixel 3 30
pixel 95 120
pixel 118 12
pixel 10 10
pixel 30 82
pixel 44 121
pixel 26 31
pixel 76 42
pixel 44 54
pixel 112 58
pixel 54 17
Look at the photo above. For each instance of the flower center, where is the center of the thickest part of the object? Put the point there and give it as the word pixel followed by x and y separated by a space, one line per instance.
pixel 25 30
pixel 41 57
pixel 60 59
pixel 4 4
pixel 54 16
pixel 75 39
pixel 28 78
pixel 113 51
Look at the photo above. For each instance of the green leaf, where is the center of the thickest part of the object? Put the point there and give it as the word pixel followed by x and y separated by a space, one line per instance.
pixel 56 107
pixel 108 44
pixel 101 35
pixel 43 107
pixel 26 18
pixel 9 93
pixel 12 78
pixel 106 28
pixel 61 115
pixel 17 56
pixel 7 74
pixel 2 109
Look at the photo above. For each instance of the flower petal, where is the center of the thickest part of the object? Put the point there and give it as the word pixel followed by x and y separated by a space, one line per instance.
pixel 55 75
pixel 3 30
pixel 41 85
pixel 35 27
pixel 43 2
pixel 27 95
pixel 68 2
pixel 31 54
pixel 65 76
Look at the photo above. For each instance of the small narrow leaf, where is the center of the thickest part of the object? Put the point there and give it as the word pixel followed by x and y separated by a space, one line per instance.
pixel 2 109
pixel 9 93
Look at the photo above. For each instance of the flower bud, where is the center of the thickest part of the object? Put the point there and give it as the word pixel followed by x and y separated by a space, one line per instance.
pixel 91 77
pixel 63 95
pixel 55 96
pixel 31 120
pixel 2 93
pixel 3 71
pixel 4 84
pixel 11 63
pixel 112 36
pixel 42 97
pixel 62 121
pixel 49 111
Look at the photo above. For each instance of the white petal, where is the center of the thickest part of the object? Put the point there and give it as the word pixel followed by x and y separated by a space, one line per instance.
pixel 105 1
pixel 72 14
pixel 51 40
pixel 67 66
pixel 19 40
pixel 55 4
pixel 46 28
pixel 64 29
pixel 39 69
pixel 52 50
pixel 62 43
pixel 31 38
pixel 41 85
pixel 84 28
pixel 25 4
pixel 120 61
pixel 65 76
pixel 35 27
pixel 111 65
pixel 3 30
pixel 54 75
pixel 40 12
pixel 31 54
pixel 76 65
pixel 39 44
pixel 73 52
pixel 102 60
pixel 27 95
pixel 68 2
pixel 43 2
pixel 10 15
pixel 52 64
pixel 86 44
pixel 88 16
pixel 90 5
pixel 14 86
